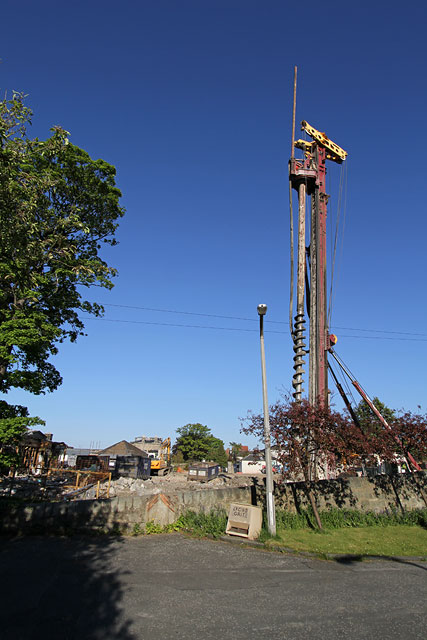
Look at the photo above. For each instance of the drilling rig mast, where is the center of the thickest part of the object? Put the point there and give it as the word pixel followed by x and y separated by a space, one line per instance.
pixel 307 176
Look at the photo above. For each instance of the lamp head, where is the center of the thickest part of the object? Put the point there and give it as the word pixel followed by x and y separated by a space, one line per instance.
pixel 262 309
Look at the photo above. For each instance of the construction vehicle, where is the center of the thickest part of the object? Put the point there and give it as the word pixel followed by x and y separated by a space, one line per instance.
pixel 162 465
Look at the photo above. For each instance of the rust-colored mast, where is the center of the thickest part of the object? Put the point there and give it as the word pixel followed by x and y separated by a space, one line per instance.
pixel 308 176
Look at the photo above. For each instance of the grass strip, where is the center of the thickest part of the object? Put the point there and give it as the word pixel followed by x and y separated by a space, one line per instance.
pixel 350 518
pixel 397 540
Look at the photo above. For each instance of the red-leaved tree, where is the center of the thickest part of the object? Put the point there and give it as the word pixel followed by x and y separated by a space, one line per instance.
pixel 307 438
pixel 311 439
pixel 411 430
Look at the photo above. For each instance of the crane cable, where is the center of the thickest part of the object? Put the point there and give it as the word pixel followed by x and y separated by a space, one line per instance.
pixel 291 300
pixel 337 223
pixel 344 219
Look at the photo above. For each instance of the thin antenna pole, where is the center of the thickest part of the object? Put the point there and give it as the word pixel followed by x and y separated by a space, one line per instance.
pixel 291 300
pixel 293 112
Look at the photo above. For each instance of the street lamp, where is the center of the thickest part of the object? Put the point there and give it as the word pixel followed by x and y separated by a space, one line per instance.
pixel 271 514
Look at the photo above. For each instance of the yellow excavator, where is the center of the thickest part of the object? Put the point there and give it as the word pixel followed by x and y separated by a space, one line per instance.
pixel 162 465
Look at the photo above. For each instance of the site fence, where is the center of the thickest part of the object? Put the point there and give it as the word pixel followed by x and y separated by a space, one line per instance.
pixel 83 480
pixel 56 483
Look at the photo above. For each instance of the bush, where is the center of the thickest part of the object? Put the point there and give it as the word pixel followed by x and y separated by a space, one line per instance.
pixel 203 524
pixel 198 524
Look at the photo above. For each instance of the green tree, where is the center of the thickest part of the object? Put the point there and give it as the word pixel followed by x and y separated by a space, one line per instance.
pixel 196 442
pixel 217 452
pixel 14 421
pixel 178 457
pixel 235 448
pixel 369 422
pixel 57 208
pixel 193 441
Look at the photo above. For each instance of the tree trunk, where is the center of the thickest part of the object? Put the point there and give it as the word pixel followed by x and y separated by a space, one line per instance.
pixel 314 507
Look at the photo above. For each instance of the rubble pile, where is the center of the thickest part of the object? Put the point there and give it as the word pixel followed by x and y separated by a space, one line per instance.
pixel 35 488
pixel 29 487
pixel 173 482
pixel 130 487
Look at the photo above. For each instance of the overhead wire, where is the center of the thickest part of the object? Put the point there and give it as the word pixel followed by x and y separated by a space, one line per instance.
pixel 195 326
pixel 337 224
pixel 291 285
pixel 346 386
pixel 188 313
pixel 342 234
pixel 224 317
pixel 171 324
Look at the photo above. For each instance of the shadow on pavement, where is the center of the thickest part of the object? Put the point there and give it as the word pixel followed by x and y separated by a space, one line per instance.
pixel 62 588
pixel 352 559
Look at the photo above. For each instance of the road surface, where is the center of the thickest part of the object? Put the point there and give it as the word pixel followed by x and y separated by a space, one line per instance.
pixel 170 586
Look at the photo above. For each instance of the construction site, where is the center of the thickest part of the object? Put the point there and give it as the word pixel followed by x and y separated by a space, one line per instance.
pixel 53 472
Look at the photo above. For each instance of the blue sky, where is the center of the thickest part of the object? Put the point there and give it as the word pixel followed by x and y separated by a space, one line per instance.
pixel 191 101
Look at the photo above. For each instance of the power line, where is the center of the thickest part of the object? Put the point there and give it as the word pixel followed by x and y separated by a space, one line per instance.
pixel 241 329
pixel 211 315
pixel 190 313
pixel 402 333
pixel 170 324
pixel 385 337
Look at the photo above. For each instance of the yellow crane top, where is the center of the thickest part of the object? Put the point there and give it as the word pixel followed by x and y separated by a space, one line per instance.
pixel 333 151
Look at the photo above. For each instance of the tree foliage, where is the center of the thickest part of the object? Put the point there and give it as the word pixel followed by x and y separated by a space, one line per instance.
pixel 196 442
pixel 310 437
pixel 57 208
pixel 407 434
pixel 235 448
pixel 14 422
pixel 368 420
pixel 306 436
pixel 411 430
pixel 217 452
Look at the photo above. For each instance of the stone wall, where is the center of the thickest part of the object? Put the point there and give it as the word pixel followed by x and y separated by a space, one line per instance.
pixel 376 494
pixel 119 514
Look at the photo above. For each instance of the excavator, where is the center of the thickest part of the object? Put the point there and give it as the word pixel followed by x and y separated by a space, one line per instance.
pixel 161 466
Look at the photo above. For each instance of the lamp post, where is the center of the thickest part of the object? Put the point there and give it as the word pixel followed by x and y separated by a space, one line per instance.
pixel 271 514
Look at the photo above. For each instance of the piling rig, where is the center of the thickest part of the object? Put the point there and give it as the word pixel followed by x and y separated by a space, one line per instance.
pixel 307 176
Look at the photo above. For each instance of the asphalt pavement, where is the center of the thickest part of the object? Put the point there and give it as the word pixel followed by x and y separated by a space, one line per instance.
pixel 169 586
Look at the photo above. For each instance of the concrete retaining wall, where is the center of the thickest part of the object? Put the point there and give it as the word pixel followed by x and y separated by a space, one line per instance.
pixel 367 494
pixel 119 514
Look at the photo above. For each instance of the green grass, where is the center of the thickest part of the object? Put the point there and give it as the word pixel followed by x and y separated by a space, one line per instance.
pixel 196 524
pixel 397 540
pixel 350 518
pixel 203 524
pixel 345 531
